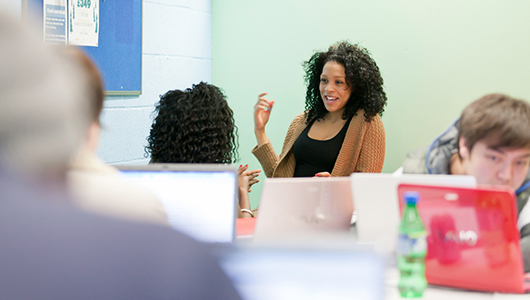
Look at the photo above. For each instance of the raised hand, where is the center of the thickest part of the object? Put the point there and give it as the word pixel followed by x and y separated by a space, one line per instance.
pixel 262 112
pixel 247 178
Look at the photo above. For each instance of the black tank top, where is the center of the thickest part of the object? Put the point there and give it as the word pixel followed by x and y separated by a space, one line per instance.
pixel 314 156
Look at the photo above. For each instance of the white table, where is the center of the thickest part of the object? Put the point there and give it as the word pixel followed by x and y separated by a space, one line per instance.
pixel 443 293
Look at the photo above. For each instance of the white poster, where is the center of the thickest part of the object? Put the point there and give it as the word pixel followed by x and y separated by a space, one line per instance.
pixel 54 21
pixel 83 25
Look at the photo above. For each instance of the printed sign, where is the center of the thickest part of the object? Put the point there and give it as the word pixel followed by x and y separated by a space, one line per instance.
pixel 83 25
pixel 54 21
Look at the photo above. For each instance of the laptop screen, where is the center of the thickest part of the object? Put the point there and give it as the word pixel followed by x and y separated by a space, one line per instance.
pixel 200 204
pixel 304 273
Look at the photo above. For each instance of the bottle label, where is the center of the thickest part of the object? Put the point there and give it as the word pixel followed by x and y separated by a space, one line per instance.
pixel 412 244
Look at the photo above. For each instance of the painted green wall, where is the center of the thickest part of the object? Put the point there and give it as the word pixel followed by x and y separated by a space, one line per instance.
pixel 435 57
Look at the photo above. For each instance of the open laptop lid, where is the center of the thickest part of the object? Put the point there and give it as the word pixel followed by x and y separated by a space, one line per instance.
pixel 376 205
pixel 299 206
pixel 322 269
pixel 200 199
pixel 472 240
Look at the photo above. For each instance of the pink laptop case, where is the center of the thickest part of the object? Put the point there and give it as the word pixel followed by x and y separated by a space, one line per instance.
pixel 473 241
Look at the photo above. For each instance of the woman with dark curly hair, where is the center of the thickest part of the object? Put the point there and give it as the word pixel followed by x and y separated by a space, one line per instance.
pixel 341 131
pixel 193 126
pixel 197 126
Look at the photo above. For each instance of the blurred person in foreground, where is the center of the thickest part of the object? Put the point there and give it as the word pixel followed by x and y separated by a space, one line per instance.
pixel 98 187
pixel 48 248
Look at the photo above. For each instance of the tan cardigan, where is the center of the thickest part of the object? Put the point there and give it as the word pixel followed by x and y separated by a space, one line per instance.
pixel 363 149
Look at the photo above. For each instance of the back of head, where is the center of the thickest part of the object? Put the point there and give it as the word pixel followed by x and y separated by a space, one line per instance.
pixel 502 121
pixel 95 82
pixel 42 110
pixel 193 126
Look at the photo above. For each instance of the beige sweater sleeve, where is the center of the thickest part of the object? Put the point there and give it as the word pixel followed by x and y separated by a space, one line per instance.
pixel 267 157
pixel 372 156
pixel 281 165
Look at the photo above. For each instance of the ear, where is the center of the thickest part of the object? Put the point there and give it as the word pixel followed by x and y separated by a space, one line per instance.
pixel 462 148
pixel 93 137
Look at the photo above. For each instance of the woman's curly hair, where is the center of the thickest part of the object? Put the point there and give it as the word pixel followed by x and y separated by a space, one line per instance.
pixel 193 126
pixel 362 76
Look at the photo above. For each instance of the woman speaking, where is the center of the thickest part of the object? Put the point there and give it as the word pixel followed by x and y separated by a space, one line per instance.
pixel 341 131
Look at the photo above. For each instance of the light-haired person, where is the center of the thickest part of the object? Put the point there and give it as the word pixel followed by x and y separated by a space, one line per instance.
pixel 490 141
pixel 51 249
pixel 98 187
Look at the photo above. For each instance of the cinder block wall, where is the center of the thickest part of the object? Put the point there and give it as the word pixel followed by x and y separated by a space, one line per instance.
pixel 177 47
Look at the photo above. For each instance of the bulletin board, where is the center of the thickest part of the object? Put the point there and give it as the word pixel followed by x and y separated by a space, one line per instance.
pixel 119 51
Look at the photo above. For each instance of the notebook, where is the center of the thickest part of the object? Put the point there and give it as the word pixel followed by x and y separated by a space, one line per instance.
pixel 473 240
pixel 376 205
pixel 303 206
pixel 304 272
pixel 200 199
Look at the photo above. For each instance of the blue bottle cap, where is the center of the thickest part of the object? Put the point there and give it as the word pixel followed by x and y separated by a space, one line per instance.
pixel 411 197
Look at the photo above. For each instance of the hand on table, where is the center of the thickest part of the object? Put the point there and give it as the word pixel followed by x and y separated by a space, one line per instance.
pixel 322 174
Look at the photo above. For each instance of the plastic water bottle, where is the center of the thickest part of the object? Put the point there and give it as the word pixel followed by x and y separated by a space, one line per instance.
pixel 411 250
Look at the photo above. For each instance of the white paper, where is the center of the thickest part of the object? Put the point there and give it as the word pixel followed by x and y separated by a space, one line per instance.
pixel 55 22
pixel 83 25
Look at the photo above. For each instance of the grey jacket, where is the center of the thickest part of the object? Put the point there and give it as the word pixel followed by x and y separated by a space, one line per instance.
pixel 435 159
pixel 52 250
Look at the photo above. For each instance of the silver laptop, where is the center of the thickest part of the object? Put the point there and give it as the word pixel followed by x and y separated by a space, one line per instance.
pixel 303 206
pixel 322 270
pixel 200 199
pixel 376 203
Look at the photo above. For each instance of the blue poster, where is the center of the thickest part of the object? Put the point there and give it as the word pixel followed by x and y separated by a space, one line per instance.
pixel 54 23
